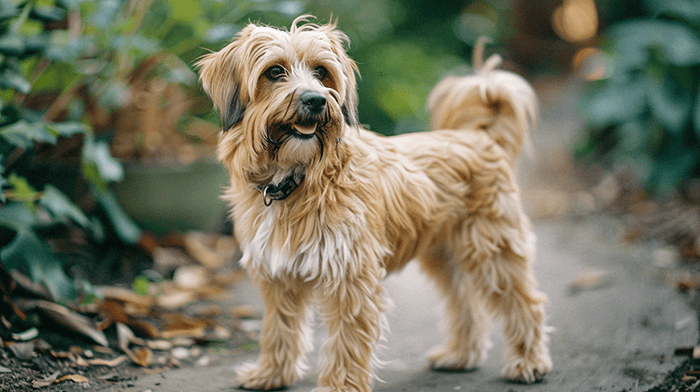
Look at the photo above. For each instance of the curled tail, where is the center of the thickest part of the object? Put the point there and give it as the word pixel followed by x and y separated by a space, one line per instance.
pixel 500 103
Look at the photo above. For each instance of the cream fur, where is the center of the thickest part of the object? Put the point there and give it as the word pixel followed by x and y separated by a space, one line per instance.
pixel 369 204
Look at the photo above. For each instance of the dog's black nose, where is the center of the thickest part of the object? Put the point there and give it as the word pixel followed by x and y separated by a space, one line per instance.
pixel 313 101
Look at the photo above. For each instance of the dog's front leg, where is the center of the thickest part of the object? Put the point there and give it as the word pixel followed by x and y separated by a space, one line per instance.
pixel 284 337
pixel 353 312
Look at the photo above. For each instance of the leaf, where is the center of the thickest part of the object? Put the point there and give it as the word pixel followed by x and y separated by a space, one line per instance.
pixel 670 103
pixel 67 318
pixel 11 44
pixel 47 14
pixel 74 378
pixel 67 129
pixel 106 13
pixel 126 229
pixel 24 134
pixel 632 40
pixel 615 103
pixel 220 32
pixel 17 216
pixel 97 153
pixel 46 381
pixel 27 250
pixel 61 207
pixel 22 191
pixel 686 9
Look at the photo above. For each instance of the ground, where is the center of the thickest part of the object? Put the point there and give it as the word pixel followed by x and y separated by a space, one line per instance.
pixel 620 324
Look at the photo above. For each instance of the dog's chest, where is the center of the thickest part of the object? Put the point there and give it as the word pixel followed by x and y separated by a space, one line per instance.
pixel 307 249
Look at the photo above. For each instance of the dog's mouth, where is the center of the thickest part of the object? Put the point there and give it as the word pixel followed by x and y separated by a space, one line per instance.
pixel 303 131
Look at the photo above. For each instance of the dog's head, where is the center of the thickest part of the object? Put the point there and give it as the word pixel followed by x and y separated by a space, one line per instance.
pixel 283 96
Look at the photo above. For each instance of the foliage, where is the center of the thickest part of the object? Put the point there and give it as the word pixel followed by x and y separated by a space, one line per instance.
pixel 646 112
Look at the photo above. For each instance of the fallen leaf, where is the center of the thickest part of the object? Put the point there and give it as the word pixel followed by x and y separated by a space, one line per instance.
pixel 212 251
pixel 5 370
pixel 191 277
pixel 244 311
pixel 162 345
pixel 183 326
pixel 108 362
pixel 141 356
pixel 125 336
pixel 589 280
pixel 46 381
pixel 68 319
pixel 23 351
pixel 175 299
pixel 124 295
pixel 73 377
pixel 29 334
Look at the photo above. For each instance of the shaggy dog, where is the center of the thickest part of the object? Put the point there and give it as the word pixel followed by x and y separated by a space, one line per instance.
pixel 324 209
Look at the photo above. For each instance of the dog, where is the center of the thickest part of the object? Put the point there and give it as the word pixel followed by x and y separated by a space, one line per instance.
pixel 324 209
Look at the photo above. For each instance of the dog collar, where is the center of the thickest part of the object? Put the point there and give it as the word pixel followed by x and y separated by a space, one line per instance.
pixel 281 191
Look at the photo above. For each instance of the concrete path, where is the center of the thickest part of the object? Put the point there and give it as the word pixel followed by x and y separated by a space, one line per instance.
pixel 616 337
pixel 618 334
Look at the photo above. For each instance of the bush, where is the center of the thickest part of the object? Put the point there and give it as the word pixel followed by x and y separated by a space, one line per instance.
pixel 646 112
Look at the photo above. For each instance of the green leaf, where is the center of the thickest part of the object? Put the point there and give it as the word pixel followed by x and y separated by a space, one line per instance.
pixel 127 231
pixel 670 103
pixel 615 103
pixel 61 207
pixel 47 14
pixel 686 9
pixel 140 285
pixel 696 113
pixel 15 80
pixel 27 250
pixel 22 190
pixel 24 134
pixel 8 9
pixel 632 40
pixel 11 44
pixel 67 129
pixel 17 216
pixel 98 154
pixel 106 13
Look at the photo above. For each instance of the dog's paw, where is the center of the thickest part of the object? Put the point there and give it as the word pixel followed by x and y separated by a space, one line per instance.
pixel 255 378
pixel 527 372
pixel 445 360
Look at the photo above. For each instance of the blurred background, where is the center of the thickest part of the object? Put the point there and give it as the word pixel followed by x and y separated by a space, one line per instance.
pixel 105 132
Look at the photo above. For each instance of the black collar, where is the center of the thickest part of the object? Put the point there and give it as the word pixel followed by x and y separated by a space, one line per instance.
pixel 282 190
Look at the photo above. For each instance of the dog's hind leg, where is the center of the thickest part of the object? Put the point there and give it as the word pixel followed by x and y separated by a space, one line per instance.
pixel 498 248
pixel 284 338
pixel 466 320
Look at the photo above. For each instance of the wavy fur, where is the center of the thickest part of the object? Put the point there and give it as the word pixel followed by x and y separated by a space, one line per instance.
pixel 368 205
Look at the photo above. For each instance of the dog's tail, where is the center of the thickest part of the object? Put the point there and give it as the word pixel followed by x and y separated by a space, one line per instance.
pixel 498 102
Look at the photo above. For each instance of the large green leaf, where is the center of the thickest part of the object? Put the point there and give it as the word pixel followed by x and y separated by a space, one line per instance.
pixel 24 134
pixel 616 103
pixel 10 78
pixel 17 216
pixel 29 251
pixel 61 207
pixel 670 103
pixel 97 154
pixel 632 41
pixel 126 229
pixel 686 9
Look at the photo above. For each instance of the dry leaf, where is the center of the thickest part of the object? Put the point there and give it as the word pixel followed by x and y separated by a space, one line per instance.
pixel 68 318
pixel 73 377
pixel 167 259
pixel 126 336
pixel 244 311
pixel 124 295
pixel 212 251
pixel 183 326
pixel 46 381
pixel 589 280
pixel 191 277
pixel 175 299
pixel 23 351
pixel 108 362
pixel 141 356
pixel 162 345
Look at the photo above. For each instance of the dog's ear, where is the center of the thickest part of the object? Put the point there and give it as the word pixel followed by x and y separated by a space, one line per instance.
pixel 220 73
pixel 339 42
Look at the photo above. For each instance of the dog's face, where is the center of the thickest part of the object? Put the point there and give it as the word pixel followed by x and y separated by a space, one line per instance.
pixel 284 96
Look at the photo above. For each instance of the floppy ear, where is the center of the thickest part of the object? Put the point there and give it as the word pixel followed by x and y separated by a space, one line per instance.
pixel 218 73
pixel 338 42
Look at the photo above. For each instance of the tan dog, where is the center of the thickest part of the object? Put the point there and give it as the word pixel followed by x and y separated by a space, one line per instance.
pixel 324 209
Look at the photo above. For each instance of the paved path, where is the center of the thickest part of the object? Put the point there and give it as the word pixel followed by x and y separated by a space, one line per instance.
pixel 615 338
pixel 619 337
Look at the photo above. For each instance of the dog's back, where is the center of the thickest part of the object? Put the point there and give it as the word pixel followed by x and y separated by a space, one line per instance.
pixel 500 103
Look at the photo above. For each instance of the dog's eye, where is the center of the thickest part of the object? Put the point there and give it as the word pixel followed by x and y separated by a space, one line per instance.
pixel 275 72
pixel 320 72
